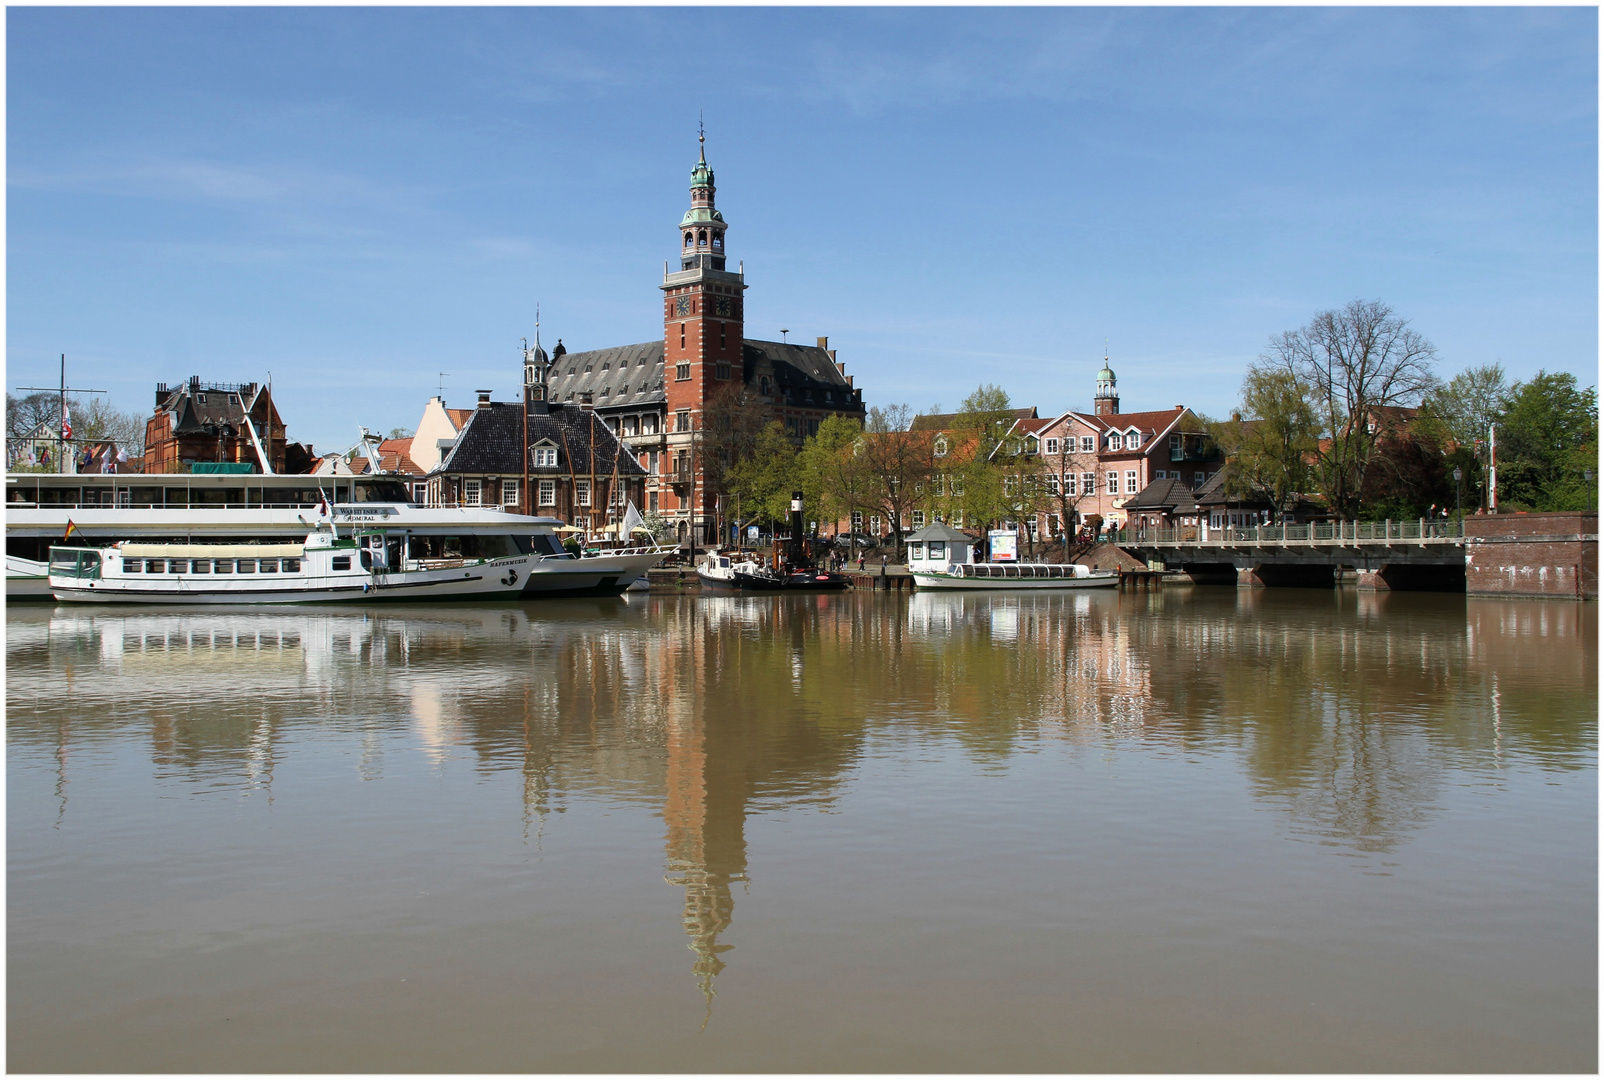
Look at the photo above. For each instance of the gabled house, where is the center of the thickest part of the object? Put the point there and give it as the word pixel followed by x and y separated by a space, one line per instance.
pixel 213 422
pixel 538 457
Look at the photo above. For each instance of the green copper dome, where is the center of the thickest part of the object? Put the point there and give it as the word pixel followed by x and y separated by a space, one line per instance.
pixel 1107 374
pixel 702 175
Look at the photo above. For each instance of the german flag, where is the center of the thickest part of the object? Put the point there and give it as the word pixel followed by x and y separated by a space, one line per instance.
pixel 71 528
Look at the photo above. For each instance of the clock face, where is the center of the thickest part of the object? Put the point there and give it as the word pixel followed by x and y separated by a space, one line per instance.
pixel 682 306
pixel 721 305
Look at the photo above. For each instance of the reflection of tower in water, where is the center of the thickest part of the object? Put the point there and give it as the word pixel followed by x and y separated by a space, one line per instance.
pixel 706 839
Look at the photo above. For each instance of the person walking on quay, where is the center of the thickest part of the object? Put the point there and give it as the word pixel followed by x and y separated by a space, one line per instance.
pixel 882 566
pixel 860 562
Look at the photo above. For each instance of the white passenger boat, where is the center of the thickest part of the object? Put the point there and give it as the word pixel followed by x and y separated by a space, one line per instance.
pixel 253 508
pixel 941 557
pixel 323 567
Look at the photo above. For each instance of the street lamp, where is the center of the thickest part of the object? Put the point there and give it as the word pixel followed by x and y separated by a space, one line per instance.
pixel 1459 474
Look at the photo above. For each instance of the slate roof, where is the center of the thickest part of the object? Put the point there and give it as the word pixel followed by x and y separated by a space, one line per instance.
pixel 492 442
pixel 944 421
pixel 1170 495
pixel 627 376
pixel 203 409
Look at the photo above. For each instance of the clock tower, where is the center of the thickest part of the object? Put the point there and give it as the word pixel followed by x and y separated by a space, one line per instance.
pixel 702 331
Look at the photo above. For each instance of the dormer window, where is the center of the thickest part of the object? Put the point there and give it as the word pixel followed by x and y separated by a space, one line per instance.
pixel 941 446
pixel 1031 444
pixel 1114 441
pixel 545 457
pixel 1133 439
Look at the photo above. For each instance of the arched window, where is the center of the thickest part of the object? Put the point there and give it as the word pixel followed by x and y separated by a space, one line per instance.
pixel 701 238
pixel 718 241
pixel 687 239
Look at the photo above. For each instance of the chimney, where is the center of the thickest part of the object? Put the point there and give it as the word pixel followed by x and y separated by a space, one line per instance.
pixel 824 343
pixel 585 402
pixel 484 398
pixel 849 380
pixel 194 384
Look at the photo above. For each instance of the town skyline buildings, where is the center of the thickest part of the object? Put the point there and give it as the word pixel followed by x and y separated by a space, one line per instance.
pixel 357 200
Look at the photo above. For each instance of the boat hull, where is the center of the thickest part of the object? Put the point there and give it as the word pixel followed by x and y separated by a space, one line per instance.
pixel 926 580
pixel 499 579
pixel 599 575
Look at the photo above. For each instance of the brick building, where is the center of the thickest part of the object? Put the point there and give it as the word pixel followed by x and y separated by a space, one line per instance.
pixel 538 457
pixel 196 421
pixel 654 394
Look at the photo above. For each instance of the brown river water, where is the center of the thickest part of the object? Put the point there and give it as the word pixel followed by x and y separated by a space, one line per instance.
pixel 1197 829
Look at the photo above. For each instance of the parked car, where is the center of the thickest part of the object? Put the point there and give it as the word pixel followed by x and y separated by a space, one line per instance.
pixel 862 540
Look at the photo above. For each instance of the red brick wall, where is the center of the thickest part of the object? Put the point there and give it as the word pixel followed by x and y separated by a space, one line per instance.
pixel 1533 555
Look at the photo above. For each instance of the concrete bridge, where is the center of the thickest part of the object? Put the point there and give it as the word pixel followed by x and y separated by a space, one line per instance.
pixel 1419 554
pixel 1552 555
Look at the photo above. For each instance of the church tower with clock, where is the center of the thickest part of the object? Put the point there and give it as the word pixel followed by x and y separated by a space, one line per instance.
pixel 702 324
pixel 656 395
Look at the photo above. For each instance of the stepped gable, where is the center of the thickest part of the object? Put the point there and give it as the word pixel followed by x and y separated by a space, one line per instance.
pixel 626 375
pixel 492 440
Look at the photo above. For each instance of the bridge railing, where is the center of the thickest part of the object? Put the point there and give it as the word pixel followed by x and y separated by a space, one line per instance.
pixel 1420 530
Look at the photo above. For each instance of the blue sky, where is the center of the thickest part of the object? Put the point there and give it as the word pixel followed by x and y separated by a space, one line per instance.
pixel 359 199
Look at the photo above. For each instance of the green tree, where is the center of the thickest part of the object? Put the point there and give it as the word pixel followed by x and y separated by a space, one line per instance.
pixel 762 479
pixel 1272 441
pixel 834 477
pixel 1353 361
pixel 898 463
pixel 1547 441
pixel 978 481
pixel 1457 416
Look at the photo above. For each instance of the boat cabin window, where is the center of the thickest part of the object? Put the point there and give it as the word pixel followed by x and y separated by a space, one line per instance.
pixel 381 491
pixel 341 562
pixel 223 566
pixel 938 549
pixel 724 562
pixel 292 566
pixel 538 544
pixel 202 566
pixel 916 550
pixel 245 566
pixel 178 566
pixel 133 566
pixel 267 566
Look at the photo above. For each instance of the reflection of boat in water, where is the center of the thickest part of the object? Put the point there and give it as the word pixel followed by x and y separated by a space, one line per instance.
pixel 274 509
pixel 724 572
pixel 941 557
pixel 322 568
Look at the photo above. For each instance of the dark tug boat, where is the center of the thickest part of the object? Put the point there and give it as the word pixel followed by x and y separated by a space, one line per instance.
pixel 724 573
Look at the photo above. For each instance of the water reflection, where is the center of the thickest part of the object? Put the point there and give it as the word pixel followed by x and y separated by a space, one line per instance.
pixel 1346 712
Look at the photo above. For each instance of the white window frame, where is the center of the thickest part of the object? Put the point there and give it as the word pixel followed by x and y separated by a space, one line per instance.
pixel 1113 481
pixel 472 492
pixel 1130 482
pixel 581 492
pixel 918 519
pixel 1052 484
pixel 509 493
pixel 1088 483
pixel 1133 440
pixel 1088 444
pixel 545 457
pixel 1052 446
pixel 1071 487
pixel 548 493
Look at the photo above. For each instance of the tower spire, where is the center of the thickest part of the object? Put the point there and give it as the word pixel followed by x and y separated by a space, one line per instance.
pixel 701 136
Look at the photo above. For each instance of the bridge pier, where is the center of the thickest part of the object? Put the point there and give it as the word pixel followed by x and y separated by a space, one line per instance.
pixel 1284 575
pixel 1373 580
